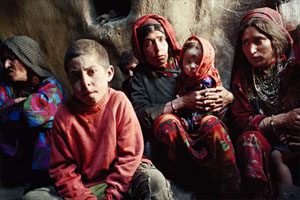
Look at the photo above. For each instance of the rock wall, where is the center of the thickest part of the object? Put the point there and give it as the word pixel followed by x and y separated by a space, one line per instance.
pixel 55 23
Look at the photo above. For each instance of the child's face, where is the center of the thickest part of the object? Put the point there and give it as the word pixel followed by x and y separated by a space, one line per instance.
pixel 88 78
pixel 191 61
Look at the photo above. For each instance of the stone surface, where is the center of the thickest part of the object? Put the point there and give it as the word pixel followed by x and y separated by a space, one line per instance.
pixel 55 23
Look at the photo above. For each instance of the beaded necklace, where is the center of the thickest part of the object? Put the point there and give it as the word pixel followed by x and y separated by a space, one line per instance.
pixel 266 87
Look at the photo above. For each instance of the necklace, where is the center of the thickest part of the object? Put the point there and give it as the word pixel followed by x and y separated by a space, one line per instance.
pixel 267 86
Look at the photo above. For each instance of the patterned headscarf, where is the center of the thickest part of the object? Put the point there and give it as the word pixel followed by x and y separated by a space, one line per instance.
pixel 29 52
pixel 153 18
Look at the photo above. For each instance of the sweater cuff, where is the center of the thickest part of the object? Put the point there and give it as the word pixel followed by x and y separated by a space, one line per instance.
pixel 113 193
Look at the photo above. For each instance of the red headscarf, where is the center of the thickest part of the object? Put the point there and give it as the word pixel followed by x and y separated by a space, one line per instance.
pixel 148 19
pixel 265 13
pixel 269 14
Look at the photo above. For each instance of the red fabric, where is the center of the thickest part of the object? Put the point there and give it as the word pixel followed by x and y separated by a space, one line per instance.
pixel 94 145
pixel 267 13
pixel 170 34
pixel 209 146
pixel 253 155
pixel 204 144
pixel 253 151
pixel 243 113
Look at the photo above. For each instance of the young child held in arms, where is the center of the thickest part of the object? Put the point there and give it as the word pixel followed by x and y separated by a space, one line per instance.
pixel 96 140
pixel 201 133
pixel 198 72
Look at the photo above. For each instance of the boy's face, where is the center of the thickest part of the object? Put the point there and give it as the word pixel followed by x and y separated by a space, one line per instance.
pixel 89 79
pixel 191 60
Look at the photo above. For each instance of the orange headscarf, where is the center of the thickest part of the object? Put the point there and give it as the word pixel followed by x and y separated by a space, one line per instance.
pixel 206 66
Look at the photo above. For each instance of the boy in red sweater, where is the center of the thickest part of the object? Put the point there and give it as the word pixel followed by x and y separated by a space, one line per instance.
pixel 96 140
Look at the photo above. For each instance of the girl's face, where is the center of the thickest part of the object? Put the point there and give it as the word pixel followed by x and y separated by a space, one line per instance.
pixel 191 60
pixel 257 48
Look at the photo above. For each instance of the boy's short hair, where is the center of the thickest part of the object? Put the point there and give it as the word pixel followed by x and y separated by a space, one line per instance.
pixel 126 58
pixel 83 47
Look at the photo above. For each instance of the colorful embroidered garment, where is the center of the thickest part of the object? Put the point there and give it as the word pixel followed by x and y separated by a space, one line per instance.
pixel 209 146
pixel 32 116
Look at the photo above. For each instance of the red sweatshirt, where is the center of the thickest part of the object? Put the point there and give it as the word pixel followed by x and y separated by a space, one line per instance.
pixel 93 145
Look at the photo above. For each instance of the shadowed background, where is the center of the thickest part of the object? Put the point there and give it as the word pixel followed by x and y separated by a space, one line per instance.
pixel 55 23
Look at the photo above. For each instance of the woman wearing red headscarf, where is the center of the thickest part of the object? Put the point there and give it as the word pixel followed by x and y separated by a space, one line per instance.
pixel 259 73
pixel 154 99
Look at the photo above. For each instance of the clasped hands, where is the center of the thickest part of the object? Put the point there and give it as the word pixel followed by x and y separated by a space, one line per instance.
pixel 209 99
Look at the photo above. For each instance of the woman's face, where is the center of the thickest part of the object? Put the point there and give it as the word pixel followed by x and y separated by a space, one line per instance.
pixel 257 48
pixel 14 68
pixel 155 48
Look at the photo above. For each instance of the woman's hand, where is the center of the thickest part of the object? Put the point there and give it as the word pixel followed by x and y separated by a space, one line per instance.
pixel 194 100
pixel 217 98
pixel 210 99
pixel 293 142
pixel 292 121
